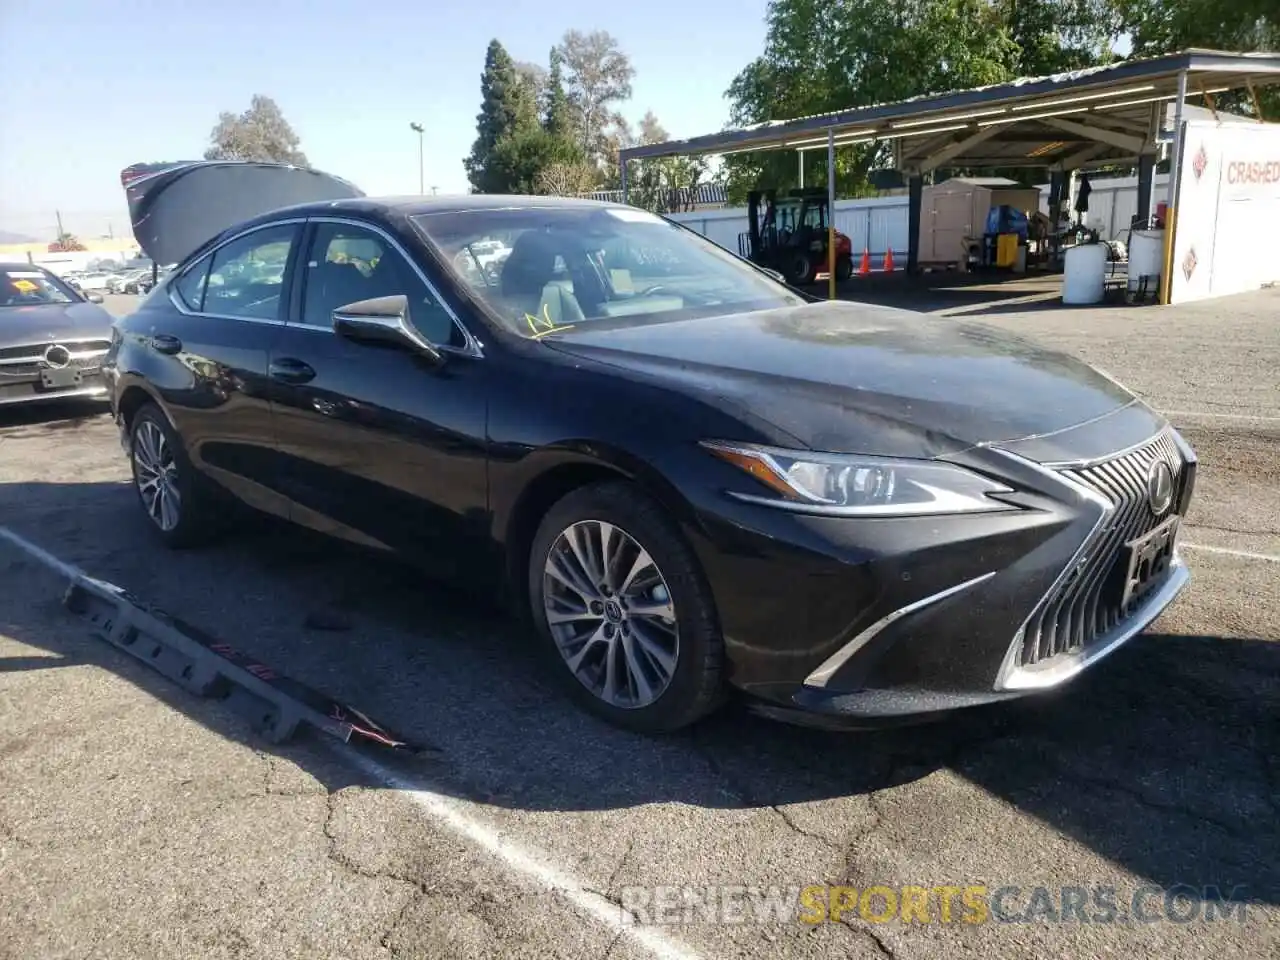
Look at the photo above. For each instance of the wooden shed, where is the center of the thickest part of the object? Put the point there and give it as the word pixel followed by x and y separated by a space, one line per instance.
pixel 953 214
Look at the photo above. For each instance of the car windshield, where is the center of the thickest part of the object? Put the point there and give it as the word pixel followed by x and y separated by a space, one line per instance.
pixel 28 288
pixel 543 269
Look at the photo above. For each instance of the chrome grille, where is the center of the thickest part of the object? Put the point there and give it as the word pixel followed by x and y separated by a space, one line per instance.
pixel 1086 604
pixel 34 351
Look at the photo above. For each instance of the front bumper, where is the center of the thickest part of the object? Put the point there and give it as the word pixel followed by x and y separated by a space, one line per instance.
pixel 91 388
pixel 32 373
pixel 855 620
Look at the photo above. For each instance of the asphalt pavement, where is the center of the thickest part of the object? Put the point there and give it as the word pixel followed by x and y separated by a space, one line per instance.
pixel 137 820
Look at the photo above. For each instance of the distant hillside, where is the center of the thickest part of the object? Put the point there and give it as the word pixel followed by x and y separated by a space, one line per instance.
pixel 7 237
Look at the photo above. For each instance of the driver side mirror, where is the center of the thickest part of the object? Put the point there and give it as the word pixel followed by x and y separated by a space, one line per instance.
pixel 384 320
pixel 93 297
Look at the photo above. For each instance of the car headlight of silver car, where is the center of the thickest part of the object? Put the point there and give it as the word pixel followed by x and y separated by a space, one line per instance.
pixel 860 486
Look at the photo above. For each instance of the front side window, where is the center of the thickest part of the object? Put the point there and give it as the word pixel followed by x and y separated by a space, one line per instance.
pixel 544 268
pixel 348 263
pixel 246 276
pixel 32 288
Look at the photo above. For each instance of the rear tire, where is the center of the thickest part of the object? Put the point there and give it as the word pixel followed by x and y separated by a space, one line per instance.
pixel 844 268
pixel 635 638
pixel 176 500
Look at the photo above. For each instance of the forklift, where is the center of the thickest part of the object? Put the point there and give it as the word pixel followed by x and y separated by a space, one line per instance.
pixel 789 234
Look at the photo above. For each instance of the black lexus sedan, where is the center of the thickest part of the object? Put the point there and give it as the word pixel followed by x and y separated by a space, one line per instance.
pixel 690 478
pixel 52 338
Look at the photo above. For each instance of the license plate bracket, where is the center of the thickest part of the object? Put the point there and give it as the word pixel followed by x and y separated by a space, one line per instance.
pixel 1150 557
pixel 59 378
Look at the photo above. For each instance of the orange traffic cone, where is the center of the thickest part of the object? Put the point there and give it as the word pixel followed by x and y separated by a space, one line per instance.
pixel 865 266
pixel 888 261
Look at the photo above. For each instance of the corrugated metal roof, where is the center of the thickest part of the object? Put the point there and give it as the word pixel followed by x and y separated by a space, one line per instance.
pixel 1023 122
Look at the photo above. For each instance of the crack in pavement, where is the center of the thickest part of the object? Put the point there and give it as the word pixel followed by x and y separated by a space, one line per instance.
pixel 787 819
pixel 342 860
pixel 608 893
pixel 744 796
pixel 879 820
pixel 385 938
pixel 346 863
pixel 876 941
pixel 608 950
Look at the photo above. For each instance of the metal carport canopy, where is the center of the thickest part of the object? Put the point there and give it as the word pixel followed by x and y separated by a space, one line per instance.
pixel 1067 121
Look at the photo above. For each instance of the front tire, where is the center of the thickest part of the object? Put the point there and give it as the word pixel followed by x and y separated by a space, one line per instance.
pixel 800 270
pixel 625 614
pixel 174 499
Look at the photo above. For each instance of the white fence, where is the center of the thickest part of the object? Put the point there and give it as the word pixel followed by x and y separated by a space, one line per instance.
pixel 880 224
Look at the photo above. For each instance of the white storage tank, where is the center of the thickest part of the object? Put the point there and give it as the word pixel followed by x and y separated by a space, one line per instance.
pixel 1084 273
pixel 1146 256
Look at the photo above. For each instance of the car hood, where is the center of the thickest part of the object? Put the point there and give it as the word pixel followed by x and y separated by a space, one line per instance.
pixel 175 207
pixel 857 378
pixel 47 322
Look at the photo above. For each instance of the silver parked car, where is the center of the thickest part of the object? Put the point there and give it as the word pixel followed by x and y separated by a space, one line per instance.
pixel 52 338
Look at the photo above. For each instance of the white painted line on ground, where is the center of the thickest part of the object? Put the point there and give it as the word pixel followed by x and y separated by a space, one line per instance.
pixel 44 556
pixel 1218 416
pixel 1247 554
pixel 450 814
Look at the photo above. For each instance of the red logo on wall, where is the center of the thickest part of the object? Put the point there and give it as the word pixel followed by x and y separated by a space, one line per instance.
pixel 1199 162
pixel 1189 263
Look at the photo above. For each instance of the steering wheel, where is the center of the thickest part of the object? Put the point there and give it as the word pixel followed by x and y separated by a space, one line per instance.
pixel 648 290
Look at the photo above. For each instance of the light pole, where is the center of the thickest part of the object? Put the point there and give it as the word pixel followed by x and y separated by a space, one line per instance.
pixel 417 128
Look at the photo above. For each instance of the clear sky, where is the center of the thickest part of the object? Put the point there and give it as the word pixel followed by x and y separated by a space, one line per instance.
pixel 91 86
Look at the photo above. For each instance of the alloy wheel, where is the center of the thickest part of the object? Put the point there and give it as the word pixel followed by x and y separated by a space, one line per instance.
pixel 156 475
pixel 610 613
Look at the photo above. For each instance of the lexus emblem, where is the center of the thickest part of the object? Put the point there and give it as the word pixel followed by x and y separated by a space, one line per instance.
pixel 57 356
pixel 1159 487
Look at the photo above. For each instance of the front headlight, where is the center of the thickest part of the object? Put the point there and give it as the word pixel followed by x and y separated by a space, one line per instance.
pixel 856 485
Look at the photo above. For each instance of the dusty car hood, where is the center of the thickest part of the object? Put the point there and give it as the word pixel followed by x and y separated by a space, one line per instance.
pixel 53 321
pixel 851 377
pixel 175 207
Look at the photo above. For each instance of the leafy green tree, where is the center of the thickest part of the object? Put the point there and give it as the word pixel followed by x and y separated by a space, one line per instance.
pixel 534 77
pixel 507 110
pixel 665 184
pixel 598 78
pixel 1159 26
pixel 260 133
pixel 66 243
pixel 1053 36
pixel 821 56
pixel 518 161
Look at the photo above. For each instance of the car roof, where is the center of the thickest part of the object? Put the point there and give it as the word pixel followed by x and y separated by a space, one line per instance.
pixel 408 206
pixel 401 208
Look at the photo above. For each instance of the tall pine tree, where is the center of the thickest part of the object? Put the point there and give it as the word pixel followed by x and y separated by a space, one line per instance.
pixel 556 109
pixel 506 110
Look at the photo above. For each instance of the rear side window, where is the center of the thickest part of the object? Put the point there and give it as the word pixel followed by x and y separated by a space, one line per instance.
pixel 190 286
pixel 246 276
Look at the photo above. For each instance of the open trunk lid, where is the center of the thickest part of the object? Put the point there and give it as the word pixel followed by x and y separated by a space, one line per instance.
pixel 176 207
